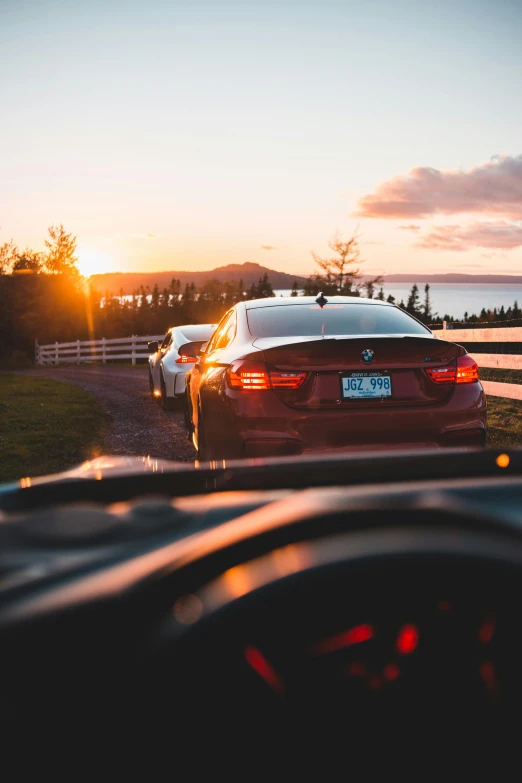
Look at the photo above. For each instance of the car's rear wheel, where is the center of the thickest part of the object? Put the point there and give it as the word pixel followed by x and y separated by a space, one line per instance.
pixel 187 416
pixel 203 452
pixel 167 403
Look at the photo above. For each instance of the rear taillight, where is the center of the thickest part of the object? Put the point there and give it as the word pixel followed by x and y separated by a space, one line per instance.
pixel 465 371
pixel 286 380
pixel 248 375
pixel 184 359
pixel 255 375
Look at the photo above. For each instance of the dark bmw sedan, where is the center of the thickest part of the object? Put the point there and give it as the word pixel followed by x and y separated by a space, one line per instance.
pixel 288 376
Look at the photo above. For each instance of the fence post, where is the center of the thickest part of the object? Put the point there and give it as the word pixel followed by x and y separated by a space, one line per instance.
pixel 56 359
pixel 104 355
pixel 77 352
pixel 444 326
pixel 36 353
pixel 133 349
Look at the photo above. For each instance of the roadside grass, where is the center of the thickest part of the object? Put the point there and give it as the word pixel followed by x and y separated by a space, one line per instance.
pixel 502 376
pixel 504 423
pixel 46 426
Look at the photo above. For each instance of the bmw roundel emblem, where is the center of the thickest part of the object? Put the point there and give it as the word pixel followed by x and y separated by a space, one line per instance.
pixel 367 355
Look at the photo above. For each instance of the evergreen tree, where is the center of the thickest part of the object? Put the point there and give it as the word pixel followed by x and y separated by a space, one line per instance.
pixel 427 314
pixel 413 306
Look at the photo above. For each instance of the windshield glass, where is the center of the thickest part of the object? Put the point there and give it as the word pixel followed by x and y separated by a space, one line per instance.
pixel 192 177
pixel 350 319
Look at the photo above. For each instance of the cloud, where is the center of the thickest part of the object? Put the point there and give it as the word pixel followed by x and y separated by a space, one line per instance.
pixel 144 236
pixel 494 187
pixel 373 243
pixel 489 256
pixel 474 266
pixel 499 234
pixel 411 227
pixel 268 247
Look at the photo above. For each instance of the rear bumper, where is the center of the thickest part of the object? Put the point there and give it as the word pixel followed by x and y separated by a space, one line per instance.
pixel 175 381
pixel 258 424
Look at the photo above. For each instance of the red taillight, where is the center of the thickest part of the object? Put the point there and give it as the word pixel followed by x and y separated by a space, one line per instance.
pixel 287 380
pixel 248 375
pixel 442 374
pixel 255 375
pixel 465 371
pixel 184 359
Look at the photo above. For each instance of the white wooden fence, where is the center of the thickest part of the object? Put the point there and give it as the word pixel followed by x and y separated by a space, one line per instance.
pixel 501 361
pixel 133 348
pixel 103 350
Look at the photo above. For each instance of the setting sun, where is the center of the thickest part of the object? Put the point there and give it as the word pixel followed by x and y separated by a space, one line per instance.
pixel 94 262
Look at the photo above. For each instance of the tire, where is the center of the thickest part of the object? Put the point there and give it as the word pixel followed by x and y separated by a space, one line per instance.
pixel 167 403
pixel 203 452
pixel 187 417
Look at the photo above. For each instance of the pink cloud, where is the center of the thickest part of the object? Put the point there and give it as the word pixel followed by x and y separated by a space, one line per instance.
pixel 497 234
pixel 494 187
pixel 411 227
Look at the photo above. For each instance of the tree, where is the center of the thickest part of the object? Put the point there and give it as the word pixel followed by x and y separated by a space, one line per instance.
pixel 60 255
pixel 28 261
pixel 339 273
pixel 413 305
pixel 427 314
pixel 380 295
pixel 262 289
pixel 295 289
pixel 8 257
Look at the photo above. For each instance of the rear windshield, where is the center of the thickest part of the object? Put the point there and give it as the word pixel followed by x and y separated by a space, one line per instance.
pixel 198 332
pixel 302 320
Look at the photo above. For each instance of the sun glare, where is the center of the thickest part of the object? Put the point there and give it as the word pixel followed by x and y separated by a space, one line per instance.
pixel 94 262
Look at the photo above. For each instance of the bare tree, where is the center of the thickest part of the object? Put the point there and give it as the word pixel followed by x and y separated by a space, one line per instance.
pixel 338 270
pixel 340 273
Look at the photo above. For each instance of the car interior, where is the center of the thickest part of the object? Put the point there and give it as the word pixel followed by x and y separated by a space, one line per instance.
pixel 302 610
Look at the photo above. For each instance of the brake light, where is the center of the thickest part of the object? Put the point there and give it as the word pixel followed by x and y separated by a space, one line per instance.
pixel 465 371
pixel 287 380
pixel 442 374
pixel 184 359
pixel 255 375
pixel 248 375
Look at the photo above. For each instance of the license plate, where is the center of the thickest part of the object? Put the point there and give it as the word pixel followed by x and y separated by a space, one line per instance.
pixel 366 385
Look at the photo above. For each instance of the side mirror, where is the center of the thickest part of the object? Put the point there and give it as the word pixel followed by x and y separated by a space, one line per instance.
pixel 153 346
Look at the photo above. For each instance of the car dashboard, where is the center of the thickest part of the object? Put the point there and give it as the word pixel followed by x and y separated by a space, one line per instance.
pixel 335 618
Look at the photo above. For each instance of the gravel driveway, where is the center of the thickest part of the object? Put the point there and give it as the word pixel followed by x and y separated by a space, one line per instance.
pixel 138 424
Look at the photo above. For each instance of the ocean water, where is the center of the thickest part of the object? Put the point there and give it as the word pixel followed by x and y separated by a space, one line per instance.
pixel 455 299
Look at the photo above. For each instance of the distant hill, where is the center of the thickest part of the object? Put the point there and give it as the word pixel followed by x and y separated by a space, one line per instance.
pixel 454 278
pixel 114 282
pixel 250 273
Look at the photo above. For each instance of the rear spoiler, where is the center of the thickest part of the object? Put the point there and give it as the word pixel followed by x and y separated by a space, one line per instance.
pixel 191 349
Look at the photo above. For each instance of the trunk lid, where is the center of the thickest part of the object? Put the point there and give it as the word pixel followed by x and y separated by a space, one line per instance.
pixel 402 359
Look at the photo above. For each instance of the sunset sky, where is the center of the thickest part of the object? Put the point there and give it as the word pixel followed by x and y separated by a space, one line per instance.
pixel 172 134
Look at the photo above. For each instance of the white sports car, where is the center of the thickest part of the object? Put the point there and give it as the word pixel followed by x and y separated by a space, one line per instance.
pixel 170 361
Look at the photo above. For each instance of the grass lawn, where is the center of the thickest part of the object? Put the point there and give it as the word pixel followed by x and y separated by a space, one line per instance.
pixel 46 426
pixel 504 416
pixel 502 376
pixel 504 423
